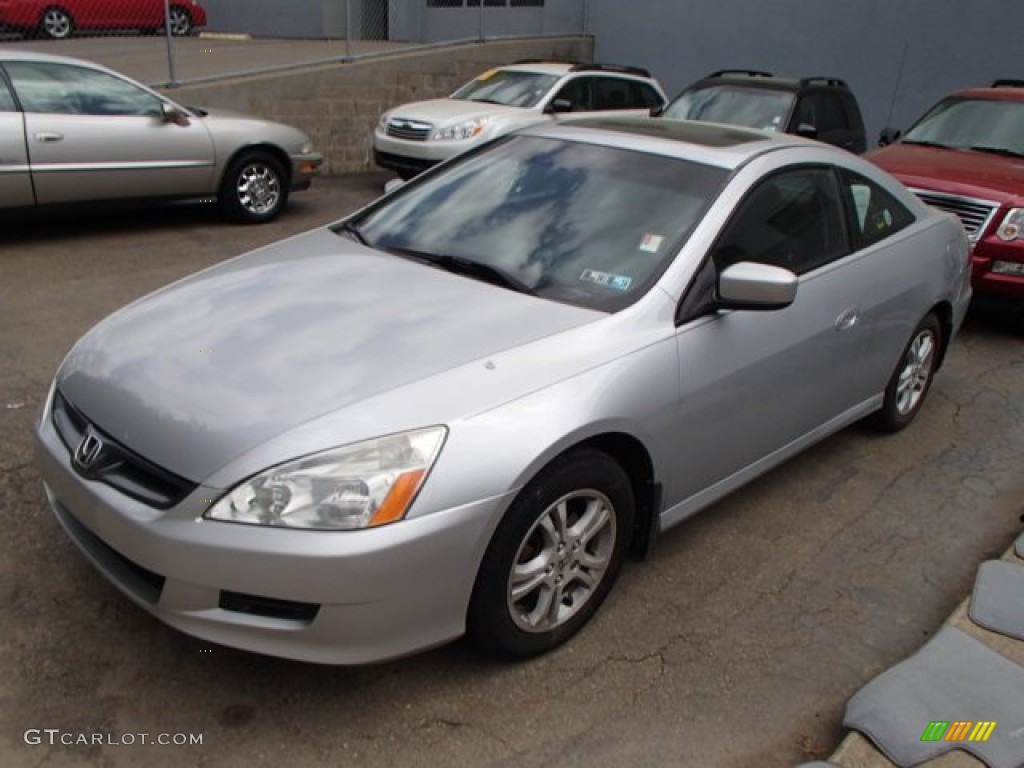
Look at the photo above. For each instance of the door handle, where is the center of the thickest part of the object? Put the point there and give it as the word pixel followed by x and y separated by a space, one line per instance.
pixel 847 319
pixel 48 137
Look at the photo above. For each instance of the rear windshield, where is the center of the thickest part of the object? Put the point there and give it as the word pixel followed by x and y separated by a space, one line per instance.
pixel 760 108
pixel 507 86
pixel 578 223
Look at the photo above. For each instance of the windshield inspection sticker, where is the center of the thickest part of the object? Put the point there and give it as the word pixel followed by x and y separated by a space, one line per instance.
pixel 651 243
pixel 607 279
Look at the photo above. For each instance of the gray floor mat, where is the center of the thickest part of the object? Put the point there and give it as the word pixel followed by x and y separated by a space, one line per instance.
pixel 952 679
pixel 998 600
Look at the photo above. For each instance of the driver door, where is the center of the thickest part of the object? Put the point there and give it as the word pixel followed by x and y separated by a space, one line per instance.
pixel 94 136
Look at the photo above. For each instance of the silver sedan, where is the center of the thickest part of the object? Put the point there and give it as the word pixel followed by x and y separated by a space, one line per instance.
pixel 459 409
pixel 76 132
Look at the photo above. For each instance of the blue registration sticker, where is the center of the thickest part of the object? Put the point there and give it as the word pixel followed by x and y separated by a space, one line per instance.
pixel 607 279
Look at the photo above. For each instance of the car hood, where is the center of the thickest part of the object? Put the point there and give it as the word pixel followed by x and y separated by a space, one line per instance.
pixel 445 111
pixel 956 172
pixel 195 375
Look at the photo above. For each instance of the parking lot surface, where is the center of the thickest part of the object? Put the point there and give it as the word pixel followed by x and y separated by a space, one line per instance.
pixel 737 643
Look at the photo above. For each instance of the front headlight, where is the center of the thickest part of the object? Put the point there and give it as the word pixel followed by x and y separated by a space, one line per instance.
pixel 466 130
pixel 1012 226
pixel 356 486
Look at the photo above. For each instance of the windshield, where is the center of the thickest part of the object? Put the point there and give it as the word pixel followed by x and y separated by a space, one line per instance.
pixel 579 223
pixel 751 107
pixel 972 124
pixel 507 86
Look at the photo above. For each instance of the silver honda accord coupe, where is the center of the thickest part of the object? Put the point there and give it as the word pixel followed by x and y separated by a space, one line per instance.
pixel 75 132
pixel 459 409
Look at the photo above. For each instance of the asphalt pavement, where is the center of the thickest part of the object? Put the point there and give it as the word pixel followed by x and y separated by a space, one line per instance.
pixel 736 644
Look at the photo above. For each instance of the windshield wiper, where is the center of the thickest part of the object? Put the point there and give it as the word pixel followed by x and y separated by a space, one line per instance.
pixel 475 269
pixel 1001 151
pixel 926 144
pixel 351 229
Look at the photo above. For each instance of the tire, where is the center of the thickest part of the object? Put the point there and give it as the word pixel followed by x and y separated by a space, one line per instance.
pixel 56 23
pixel 254 189
pixel 910 382
pixel 180 21
pixel 553 558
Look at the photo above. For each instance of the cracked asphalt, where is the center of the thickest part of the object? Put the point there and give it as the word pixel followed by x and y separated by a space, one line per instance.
pixel 736 644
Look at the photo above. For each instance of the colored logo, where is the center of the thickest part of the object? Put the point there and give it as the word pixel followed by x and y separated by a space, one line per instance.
pixel 958 730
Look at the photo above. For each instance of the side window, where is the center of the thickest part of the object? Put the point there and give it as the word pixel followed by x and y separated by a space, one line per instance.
pixel 577 93
pixel 806 112
pixel 611 93
pixel 643 96
pixel 876 214
pixel 63 89
pixel 6 99
pixel 831 114
pixel 792 220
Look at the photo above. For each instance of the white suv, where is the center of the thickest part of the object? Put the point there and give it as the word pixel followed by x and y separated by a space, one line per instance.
pixel 413 137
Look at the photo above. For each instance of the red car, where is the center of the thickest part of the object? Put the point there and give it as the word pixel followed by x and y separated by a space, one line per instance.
pixel 966 156
pixel 59 18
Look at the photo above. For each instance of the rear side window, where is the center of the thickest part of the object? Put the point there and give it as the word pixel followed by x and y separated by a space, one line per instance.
pixel 612 93
pixel 643 95
pixel 875 213
pixel 822 110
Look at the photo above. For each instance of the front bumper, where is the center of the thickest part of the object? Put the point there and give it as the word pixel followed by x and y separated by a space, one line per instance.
pixel 990 274
pixel 411 157
pixel 346 597
pixel 304 168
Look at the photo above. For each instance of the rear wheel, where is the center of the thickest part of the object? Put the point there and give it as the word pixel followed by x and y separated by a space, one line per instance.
pixel 254 189
pixel 910 382
pixel 56 23
pixel 554 557
pixel 180 21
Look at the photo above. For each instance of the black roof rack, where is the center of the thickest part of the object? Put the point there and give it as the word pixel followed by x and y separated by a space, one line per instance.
pixel 574 62
pixel 597 67
pixel 832 82
pixel 742 72
pixel 1007 84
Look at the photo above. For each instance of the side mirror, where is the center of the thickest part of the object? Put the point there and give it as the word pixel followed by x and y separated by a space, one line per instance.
pixel 889 136
pixel 173 114
pixel 752 286
pixel 559 106
pixel 807 130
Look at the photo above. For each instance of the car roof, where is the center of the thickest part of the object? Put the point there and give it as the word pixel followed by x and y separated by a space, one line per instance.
pixel 16 54
pixel 1001 93
pixel 562 68
pixel 768 80
pixel 720 145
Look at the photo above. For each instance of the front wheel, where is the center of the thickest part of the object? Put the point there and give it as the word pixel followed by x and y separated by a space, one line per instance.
pixel 254 189
pixel 180 21
pixel 554 557
pixel 56 24
pixel 910 382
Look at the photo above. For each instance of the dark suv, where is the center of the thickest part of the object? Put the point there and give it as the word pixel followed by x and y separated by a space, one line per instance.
pixel 821 108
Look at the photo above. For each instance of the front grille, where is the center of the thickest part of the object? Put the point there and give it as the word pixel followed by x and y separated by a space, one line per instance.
pixel 141 582
pixel 411 130
pixel 974 214
pixel 113 464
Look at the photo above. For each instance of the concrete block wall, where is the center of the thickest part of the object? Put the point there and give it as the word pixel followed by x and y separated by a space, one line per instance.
pixel 339 104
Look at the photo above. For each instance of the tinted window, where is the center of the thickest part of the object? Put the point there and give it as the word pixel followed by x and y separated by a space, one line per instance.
pixel 579 223
pixel 753 107
pixel 506 86
pixel 643 95
pixel 792 220
pixel 577 93
pixel 876 214
pixel 6 99
pixel 612 93
pixel 63 89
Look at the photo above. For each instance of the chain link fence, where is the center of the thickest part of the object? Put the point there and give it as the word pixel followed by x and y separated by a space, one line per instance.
pixel 173 42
